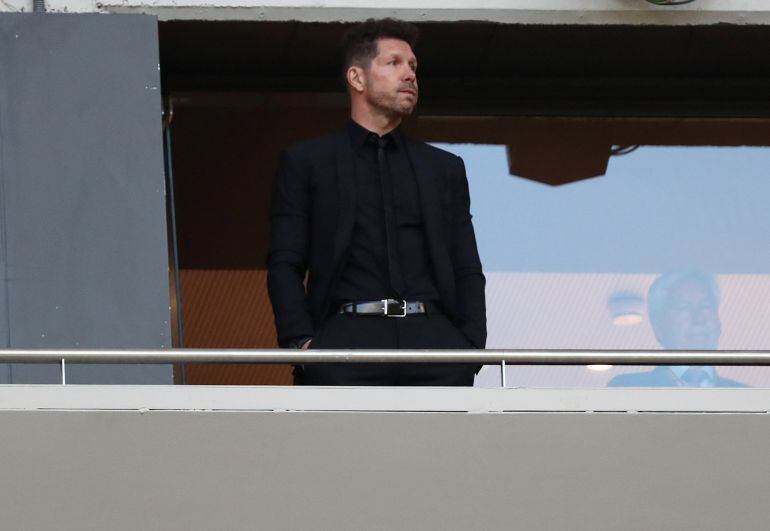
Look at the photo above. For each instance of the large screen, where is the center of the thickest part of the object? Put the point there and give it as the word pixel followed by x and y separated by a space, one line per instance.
pixel 669 248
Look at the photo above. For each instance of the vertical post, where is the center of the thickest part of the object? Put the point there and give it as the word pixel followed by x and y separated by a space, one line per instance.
pixel 63 372
pixel 168 152
pixel 502 373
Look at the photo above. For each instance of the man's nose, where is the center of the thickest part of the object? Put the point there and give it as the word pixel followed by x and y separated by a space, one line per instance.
pixel 699 315
pixel 409 74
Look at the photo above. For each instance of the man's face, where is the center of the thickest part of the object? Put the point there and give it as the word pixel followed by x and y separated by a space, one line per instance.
pixel 391 79
pixel 691 318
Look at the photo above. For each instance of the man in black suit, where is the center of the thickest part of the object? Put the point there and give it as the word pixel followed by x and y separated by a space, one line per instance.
pixel 381 224
pixel 683 307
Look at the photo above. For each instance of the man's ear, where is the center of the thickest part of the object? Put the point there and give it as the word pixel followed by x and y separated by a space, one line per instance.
pixel 355 77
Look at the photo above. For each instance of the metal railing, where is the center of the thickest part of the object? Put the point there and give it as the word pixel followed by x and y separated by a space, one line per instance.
pixel 501 357
pixel 514 357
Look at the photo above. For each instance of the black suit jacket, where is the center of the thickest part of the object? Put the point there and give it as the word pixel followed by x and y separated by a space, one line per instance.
pixel 312 218
pixel 662 377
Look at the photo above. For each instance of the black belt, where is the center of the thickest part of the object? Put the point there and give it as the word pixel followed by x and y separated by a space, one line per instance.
pixel 388 308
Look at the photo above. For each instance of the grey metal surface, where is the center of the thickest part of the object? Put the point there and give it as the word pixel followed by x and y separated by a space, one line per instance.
pixel 520 357
pixel 81 167
pixel 405 399
pixel 423 471
pixel 551 12
pixel 4 317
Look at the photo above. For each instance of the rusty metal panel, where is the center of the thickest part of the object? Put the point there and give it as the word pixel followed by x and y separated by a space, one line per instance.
pixel 229 308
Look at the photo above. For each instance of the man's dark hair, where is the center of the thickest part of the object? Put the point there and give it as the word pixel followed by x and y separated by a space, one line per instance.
pixel 360 41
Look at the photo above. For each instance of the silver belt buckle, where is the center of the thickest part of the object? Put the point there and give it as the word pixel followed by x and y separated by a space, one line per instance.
pixel 385 308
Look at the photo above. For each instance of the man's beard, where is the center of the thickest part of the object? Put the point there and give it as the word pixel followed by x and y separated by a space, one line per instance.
pixel 391 106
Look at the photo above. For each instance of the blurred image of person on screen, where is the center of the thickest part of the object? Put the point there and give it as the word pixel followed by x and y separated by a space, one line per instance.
pixel 683 308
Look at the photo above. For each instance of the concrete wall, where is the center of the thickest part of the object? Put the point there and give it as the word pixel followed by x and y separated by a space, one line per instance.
pixel 84 258
pixel 231 466
pixel 504 11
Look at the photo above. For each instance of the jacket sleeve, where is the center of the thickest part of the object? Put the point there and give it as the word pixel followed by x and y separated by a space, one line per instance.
pixel 469 278
pixel 287 260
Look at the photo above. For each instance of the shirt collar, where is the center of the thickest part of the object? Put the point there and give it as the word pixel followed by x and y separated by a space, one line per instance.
pixel 679 370
pixel 360 134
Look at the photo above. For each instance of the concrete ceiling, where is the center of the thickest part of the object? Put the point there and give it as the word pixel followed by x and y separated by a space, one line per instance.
pixel 474 49
pixel 718 69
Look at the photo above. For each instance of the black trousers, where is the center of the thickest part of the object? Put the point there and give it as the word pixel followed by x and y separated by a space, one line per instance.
pixel 344 331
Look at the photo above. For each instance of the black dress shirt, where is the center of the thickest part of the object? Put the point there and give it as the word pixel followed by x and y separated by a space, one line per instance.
pixel 365 275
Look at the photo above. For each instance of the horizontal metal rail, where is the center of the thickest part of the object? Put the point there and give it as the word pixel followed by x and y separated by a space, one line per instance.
pixel 511 357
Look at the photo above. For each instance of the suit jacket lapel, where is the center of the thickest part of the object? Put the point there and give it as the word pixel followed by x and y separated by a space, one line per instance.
pixel 425 175
pixel 346 193
pixel 666 375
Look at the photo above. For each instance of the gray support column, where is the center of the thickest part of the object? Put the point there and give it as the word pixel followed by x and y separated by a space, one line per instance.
pixel 85 253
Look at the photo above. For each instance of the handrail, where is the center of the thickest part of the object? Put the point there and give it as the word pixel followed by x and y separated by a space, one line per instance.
pixel 510 357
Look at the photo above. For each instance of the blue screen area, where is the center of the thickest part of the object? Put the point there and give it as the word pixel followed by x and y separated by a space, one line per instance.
pixel 572 266
pixel 656 209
